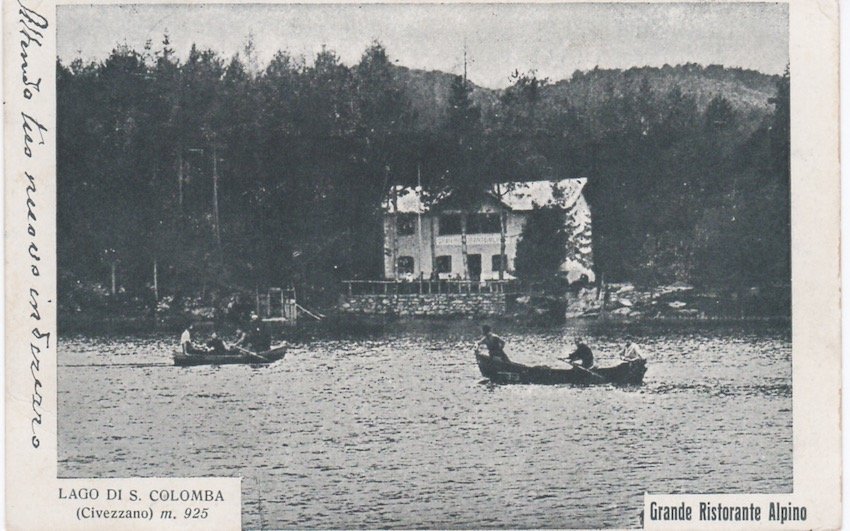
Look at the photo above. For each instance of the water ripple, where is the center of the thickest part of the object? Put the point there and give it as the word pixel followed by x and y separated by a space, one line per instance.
pixel 400 430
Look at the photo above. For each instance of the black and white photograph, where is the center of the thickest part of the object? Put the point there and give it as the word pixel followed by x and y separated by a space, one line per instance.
pixel 428 265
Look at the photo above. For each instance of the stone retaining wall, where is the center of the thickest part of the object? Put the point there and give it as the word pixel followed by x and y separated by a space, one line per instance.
pixel 478 304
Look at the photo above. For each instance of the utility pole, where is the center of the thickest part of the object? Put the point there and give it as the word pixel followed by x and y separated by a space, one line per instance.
pixel 419 216
pixel 503 259
pixel 215 197
pixel 112 268
pixel 216 220
pixel 155 282
pixel 464 61
pixel 180 178
pixel 394 197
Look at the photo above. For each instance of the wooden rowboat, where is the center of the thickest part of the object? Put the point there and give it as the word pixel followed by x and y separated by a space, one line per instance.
pixel 230 357
pixel 508 372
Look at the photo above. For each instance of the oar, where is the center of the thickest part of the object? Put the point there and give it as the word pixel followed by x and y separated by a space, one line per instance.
pixel 577 366
pixel 589 371
pixel 248 352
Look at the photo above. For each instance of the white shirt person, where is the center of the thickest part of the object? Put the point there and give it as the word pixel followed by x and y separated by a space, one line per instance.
pixel 186 338
pixel 631 352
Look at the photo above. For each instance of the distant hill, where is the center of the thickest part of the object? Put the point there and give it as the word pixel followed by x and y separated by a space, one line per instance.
pixel 429 94
pixel 748 91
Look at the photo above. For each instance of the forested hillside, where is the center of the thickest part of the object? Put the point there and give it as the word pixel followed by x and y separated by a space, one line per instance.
pixel 747 91
pixel 687 166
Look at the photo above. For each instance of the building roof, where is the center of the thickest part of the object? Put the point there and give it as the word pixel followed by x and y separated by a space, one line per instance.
pixel 409 200
pixel 536 194
pixel 518 196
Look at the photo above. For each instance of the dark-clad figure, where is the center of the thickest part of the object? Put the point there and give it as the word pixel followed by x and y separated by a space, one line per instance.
pixel 495 344
pixel 260 338
pixel 583 354
pixel 241 338
pixel 216 345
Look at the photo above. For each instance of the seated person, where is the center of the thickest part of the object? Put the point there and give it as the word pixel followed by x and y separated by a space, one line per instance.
pixel 582 353
pixel 186 339
pixel 241 338
pixel 216 345
pixel 260 338
pixel 495 344
pixel 631 352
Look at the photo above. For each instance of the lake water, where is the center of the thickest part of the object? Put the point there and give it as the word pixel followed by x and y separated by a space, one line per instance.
pixel 398 430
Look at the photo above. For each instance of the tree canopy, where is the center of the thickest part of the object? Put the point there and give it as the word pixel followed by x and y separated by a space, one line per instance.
pixel 305 152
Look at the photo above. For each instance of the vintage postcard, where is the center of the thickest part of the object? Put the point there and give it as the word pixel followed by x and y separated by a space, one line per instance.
pixel 422 265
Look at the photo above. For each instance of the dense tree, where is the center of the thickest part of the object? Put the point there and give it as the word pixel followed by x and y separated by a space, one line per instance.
pixel 682 182
pixel 463 157
pixel 542 245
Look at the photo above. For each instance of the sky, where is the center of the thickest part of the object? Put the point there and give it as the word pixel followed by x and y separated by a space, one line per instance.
pixel 553 40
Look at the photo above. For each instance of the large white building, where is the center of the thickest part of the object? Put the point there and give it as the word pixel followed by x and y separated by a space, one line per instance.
pixel 422 232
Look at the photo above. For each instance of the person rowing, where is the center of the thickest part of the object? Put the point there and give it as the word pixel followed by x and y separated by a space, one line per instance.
pixel 495 344
pixel 582 353
pixel 259 337
pixel 241 338
pixel 216 345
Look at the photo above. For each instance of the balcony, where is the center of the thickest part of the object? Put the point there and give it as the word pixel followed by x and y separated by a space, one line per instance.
pixel 424 287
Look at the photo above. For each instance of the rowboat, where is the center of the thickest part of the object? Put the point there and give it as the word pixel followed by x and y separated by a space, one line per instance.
pixel 229 357
pixel 508 372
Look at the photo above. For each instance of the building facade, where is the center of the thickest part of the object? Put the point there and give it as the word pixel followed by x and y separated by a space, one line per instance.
pixel 423 233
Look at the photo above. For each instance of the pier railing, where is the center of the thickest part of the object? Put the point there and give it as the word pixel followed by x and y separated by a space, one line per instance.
pixel 422 287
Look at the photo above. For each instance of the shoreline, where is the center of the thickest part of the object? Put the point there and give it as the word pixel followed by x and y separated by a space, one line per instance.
pixel 349 324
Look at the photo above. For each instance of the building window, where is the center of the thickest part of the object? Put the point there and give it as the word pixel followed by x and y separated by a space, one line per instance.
pixel 449 224
pixel 406 224
pixel 444 264
pixel 405 265
pixel 498 263
pixel 483 224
